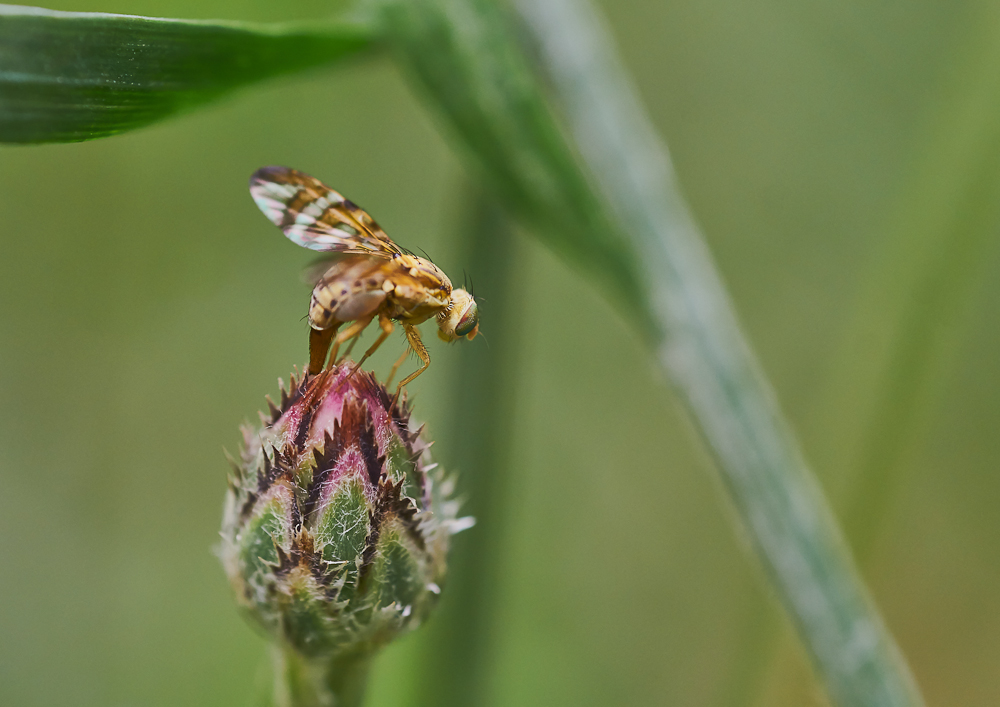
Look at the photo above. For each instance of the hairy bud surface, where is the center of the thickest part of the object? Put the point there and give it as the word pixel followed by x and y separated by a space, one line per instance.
pixel 336 522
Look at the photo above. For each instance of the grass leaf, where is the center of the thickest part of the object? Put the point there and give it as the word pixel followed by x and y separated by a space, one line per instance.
pixel 71 76
pixel 485 89
pixel 471 62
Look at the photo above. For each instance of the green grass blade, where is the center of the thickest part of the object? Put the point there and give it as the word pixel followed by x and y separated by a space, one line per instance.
pixel 465 54
pixel 483 85
pixel 924 281
pixel 710 362
pixel 455 668
pixel 71 76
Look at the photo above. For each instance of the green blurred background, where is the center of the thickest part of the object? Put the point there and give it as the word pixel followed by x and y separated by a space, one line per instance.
pixel 844 161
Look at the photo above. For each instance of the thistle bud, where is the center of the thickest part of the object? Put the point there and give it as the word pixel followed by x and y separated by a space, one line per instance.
pixel 336 523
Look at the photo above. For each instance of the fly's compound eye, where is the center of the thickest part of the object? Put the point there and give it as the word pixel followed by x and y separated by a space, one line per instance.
pixel 468 325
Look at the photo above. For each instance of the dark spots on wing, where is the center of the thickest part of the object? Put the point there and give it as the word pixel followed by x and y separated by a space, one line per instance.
pixel 294 206
pixel 372 282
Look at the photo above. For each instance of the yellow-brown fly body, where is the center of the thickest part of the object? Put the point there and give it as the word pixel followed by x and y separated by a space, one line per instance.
pixel 369 278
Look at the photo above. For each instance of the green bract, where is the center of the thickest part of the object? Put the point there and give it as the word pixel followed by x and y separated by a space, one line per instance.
pixel 336 522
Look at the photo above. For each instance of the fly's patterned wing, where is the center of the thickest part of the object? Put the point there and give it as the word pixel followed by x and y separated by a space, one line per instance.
pixel 316 217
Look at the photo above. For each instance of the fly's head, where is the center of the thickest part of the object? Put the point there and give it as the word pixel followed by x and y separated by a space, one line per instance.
pixel 460 318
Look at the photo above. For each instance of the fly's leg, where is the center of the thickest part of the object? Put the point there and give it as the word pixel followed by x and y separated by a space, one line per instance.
pixel 319 347
pixel 350 332
pixel 350 347
pixel 413 336
pixel 386 324
pixel 395 367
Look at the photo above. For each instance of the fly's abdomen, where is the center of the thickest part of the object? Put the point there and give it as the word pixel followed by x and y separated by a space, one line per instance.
pixel 326 310
pixel 350 290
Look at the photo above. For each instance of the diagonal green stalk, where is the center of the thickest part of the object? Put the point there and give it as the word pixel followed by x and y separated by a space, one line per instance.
pixel 939 236
pixel 710 363
pixel 466 56
pixel 911 309
pixel 927 335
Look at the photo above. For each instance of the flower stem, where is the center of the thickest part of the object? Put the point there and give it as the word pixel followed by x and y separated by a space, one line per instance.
pixel 305 682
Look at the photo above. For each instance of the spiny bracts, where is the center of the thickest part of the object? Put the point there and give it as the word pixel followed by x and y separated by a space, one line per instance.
pixel 336 523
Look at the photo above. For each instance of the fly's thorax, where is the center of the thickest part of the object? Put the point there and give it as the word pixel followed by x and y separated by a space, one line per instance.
pixel 420 289
pixel 424 273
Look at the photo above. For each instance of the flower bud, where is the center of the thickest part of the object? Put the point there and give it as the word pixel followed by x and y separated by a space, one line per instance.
pixel 336 523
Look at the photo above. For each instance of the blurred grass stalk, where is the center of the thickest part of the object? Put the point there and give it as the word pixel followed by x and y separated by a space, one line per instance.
pixel 913 307
pixel 465 53
pixel 455 668
pixel 939 235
